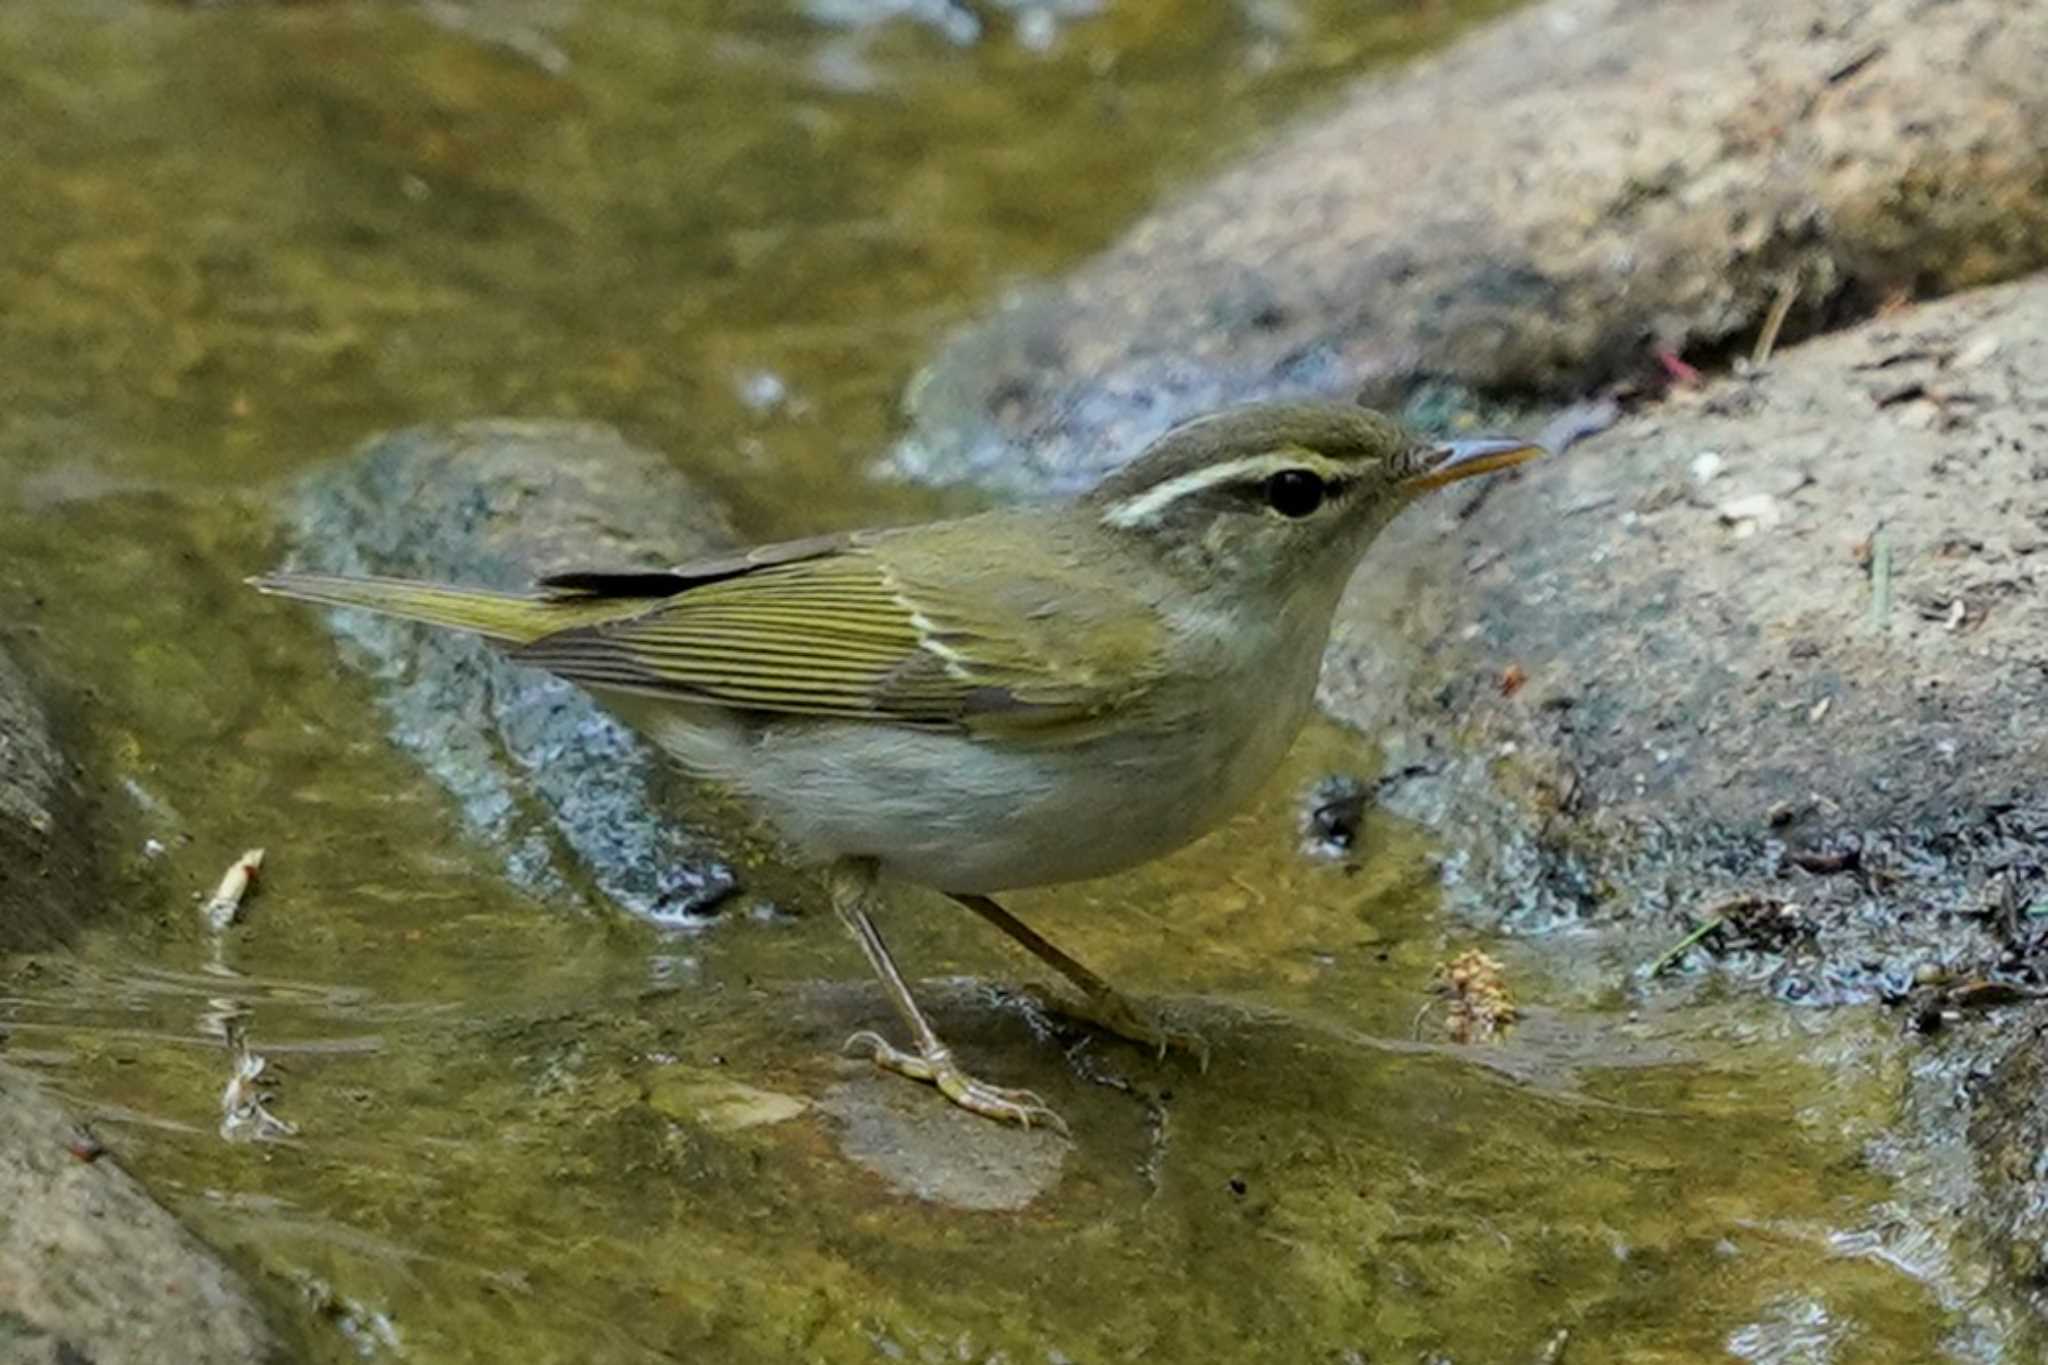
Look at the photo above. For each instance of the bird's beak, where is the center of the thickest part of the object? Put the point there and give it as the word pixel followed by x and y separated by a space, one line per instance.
pixel 1457 460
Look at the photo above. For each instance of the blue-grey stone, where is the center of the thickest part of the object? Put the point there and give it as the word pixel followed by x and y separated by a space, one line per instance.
pixel 573 799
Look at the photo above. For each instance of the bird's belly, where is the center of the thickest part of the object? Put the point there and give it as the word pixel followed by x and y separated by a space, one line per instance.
pixel 961 815
pixel 966 815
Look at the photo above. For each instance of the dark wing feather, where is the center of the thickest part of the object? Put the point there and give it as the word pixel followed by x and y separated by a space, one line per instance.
pixel 642 583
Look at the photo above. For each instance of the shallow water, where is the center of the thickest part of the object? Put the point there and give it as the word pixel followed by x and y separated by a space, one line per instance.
pixel 521 1128
pixel 243 238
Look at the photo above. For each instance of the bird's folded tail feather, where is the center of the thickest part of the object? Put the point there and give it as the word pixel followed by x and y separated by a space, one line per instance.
pixel 512 618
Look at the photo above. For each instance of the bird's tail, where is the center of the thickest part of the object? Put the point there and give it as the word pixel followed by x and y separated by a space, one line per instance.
pixel 512 618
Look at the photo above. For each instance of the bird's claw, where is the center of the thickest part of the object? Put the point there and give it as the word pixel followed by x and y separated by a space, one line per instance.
pixel 1114 1014
pixel 937 1067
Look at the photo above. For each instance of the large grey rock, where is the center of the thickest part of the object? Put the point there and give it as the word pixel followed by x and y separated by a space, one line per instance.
pixel 46 872
pixel 1526 212
pixel 93 1269
pixel 573 799
pixel 1802 608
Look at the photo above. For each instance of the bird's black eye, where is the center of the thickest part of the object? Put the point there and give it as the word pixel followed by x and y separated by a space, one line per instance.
pixel 1295 492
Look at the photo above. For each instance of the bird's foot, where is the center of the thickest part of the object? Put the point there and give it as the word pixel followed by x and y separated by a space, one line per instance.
pixel 937 1067
pixel 1140 1024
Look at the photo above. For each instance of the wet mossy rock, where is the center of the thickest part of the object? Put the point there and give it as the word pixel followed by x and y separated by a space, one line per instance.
pixel 47 878
pixel 1530 212
pixel 575 801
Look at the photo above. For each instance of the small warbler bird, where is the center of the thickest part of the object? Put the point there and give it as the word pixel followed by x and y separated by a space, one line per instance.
pixel 1029 696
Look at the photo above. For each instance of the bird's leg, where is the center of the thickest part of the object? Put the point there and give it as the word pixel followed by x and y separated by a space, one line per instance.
pixel 1102 1004
pixel 853 890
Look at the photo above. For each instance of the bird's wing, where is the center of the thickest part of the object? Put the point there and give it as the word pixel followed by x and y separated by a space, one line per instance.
pixel 837 628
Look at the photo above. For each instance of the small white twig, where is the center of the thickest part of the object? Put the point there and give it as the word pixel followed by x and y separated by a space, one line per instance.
pixel 225 905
